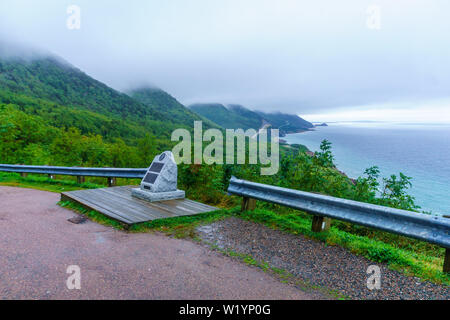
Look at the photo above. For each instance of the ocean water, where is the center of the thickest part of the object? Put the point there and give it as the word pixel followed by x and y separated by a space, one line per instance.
pixel 421 151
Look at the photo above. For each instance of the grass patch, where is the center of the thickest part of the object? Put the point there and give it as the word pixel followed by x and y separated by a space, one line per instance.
pixel 41 182
pixel 59 183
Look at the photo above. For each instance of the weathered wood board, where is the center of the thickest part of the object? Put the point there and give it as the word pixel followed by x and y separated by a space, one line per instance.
pixel 117 203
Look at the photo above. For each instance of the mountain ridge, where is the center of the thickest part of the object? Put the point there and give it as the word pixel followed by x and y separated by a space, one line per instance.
pixel 235 116
pixel 65 96
pixel 54 79
pixel 168 105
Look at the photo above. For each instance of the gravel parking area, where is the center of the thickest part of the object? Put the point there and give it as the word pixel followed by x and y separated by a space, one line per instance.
pixel 327 266
pixel 38 243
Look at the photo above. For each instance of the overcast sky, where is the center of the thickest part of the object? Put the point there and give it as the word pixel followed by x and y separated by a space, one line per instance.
pixel 323 59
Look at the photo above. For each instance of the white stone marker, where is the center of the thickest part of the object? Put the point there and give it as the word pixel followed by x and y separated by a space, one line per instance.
pixel 160 181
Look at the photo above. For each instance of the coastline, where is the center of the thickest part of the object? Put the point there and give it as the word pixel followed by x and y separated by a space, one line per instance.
pixel 284 134
pixel 311 153
pixel 360 146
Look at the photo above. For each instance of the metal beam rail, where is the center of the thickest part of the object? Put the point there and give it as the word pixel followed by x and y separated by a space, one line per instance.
pixel 432 229
pixel 110 173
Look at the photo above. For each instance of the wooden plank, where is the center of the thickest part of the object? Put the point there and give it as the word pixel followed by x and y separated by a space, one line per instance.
pixel 119 204
pixel 109 204
pixel 192 207
pixel 188 204
pixel 103 207
pixel 206 206
pixel 127 208
pixel 139 205
pixel 93 206
pixel 126 190
pixel 202 205
pixel 172 206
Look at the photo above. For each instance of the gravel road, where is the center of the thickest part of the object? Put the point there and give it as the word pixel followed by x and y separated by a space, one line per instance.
pixel 330 267
pixel 38 243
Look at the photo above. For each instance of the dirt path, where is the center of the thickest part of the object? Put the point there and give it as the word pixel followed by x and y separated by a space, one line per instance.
pixel 37 244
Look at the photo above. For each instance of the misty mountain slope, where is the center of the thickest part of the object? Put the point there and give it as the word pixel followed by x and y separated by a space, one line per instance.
pixel 248 117
pixel 236 117
pixel 168 106
pixel 53 79
pixel 62 96
pixel 287 123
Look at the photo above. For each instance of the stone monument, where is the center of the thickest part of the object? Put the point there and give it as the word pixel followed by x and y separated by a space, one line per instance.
pixel 160 181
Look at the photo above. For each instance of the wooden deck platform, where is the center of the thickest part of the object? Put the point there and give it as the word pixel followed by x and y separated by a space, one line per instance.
pixel 117 203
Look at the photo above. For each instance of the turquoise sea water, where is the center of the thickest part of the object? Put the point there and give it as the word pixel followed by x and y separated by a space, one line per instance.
pixel 421 151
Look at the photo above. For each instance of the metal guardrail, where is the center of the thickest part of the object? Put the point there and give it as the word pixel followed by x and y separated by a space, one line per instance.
pixel 137 173
pixel 433 229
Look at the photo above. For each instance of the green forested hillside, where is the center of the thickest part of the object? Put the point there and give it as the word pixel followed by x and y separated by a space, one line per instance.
pixel 249 118
pixel 55 80
pixel 169 106
pixel 287 123
pixel 237 116
pixel 53 114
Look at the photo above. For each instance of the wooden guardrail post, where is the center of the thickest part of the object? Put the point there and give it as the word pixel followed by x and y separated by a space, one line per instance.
pixel 80 179
pixel 320 223
pixel 447 261
pixel 23 174
pixel 112 182
pixel 248 204
pixel 446 268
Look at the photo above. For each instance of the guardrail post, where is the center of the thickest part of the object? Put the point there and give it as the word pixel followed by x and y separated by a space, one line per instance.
pixel 248 204
pixel 447 261
pixel 446 268
pixel 23 174
pixel 111 182
pixel 50 176
pixel 80 179
pixel 320 223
